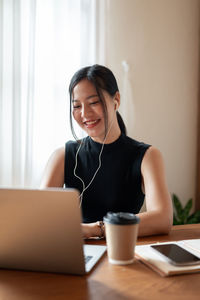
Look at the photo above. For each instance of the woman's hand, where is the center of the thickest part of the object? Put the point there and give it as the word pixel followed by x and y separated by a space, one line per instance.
pixel 91 230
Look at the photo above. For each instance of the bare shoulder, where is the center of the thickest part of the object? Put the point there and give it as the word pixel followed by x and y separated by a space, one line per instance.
pixel 153 159
pixel 57 159
pixel 58 154
pixel 54 171
pixel 152 154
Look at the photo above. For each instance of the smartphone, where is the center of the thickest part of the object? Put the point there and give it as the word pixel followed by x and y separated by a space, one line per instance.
pixel 176 255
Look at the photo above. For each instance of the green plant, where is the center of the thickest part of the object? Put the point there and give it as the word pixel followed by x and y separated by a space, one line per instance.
pixel 182 214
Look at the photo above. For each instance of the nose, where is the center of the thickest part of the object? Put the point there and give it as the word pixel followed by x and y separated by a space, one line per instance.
pixel 85 111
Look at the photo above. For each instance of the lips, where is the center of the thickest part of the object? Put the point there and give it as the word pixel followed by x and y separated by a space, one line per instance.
pixel 91 123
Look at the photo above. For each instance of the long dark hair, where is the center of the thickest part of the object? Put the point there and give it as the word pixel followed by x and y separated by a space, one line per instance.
pixel 103 79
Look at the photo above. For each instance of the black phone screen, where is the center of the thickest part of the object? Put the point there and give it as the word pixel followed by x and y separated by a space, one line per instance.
pixel 176 254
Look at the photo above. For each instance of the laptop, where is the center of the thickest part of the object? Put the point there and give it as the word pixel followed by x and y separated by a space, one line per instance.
pixel 40 231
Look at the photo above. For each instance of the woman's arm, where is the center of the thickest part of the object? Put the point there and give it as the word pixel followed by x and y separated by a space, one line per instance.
pixel 158 218
pixel 54 171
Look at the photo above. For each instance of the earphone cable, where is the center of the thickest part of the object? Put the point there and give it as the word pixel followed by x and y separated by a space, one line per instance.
pixel 76 162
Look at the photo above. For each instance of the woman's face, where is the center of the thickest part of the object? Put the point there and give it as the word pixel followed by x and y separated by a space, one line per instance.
pixel 88 112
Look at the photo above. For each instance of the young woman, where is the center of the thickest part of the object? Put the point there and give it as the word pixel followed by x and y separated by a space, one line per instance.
pixel 111 171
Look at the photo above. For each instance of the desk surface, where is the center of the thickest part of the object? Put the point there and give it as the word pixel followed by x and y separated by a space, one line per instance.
pixel 107 281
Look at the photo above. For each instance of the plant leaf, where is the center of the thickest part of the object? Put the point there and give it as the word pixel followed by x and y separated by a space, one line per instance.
pixel 175 221
pixel 194 218
pixel 178 207
pixel 186 210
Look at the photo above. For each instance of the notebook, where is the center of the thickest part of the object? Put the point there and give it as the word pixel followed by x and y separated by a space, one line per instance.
pixel 40 231
pixel 159 264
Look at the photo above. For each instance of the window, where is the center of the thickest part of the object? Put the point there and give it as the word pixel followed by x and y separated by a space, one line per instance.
pixel 43 44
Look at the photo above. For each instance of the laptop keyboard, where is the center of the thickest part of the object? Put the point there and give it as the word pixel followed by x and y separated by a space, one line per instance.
pixel 87 258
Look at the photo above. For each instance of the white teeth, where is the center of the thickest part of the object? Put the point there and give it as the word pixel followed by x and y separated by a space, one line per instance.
pixel 91 122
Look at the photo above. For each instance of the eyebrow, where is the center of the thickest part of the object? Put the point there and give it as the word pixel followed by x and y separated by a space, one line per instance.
pixel 87 98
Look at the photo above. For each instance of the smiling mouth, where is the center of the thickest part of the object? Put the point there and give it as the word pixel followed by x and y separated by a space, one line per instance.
pixel 91 124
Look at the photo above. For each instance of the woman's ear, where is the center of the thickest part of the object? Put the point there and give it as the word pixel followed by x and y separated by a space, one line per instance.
pixel 117 100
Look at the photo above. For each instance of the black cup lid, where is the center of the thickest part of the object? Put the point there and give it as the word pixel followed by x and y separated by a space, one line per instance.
pixel 121 218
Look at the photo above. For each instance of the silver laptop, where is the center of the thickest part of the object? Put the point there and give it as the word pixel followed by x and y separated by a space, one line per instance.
pixel 40 231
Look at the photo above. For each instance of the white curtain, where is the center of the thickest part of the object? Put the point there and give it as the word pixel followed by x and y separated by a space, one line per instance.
pixel 43 42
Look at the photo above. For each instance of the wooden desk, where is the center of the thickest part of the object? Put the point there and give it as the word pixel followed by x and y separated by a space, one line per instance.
pixel 107 281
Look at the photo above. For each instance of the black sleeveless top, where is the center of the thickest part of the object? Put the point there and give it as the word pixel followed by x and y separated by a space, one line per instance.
pixel 117 185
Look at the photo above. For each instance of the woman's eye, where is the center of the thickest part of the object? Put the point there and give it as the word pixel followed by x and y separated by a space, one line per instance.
pixel 95 102
pixel 76 106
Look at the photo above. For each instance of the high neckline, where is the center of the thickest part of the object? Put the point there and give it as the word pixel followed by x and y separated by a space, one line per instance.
pixel 109 146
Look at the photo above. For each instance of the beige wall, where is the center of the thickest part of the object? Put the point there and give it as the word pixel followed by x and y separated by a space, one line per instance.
pixel 160 41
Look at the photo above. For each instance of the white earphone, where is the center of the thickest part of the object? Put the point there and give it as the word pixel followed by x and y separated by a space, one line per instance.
pixel 116 105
